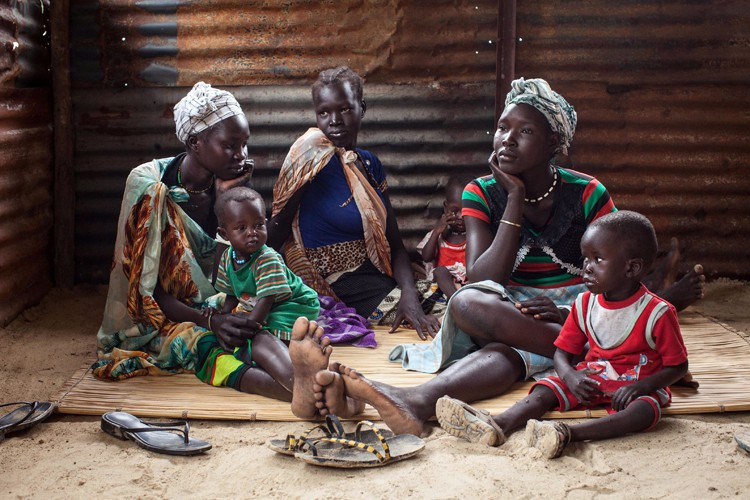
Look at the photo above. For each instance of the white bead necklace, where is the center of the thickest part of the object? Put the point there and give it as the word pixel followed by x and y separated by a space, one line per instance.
pixel 549 191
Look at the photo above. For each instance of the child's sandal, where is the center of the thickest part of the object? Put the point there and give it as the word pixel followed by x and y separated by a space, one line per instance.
pixel 551 439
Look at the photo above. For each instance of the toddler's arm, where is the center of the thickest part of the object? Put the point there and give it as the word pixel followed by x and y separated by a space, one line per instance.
pixel 429 252
pixel 262 308
pixel 666 376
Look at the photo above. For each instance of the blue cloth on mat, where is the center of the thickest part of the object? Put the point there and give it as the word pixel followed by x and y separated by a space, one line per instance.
pixel 451 343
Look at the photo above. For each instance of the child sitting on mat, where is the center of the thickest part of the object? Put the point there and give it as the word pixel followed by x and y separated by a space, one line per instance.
pixel 256 281
pixel 253 275
pixel 444 248
pixel 636 351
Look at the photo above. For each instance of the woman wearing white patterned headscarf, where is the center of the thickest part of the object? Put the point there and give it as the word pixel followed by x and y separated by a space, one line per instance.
pixel 156 317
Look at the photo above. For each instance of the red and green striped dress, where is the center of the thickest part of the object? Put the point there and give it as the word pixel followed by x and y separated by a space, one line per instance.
pixel 549 256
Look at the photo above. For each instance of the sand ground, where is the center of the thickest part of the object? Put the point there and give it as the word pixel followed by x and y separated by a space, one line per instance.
pixel 68 456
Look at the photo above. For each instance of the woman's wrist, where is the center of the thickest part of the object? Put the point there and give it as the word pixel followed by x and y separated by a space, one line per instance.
pixel 516 197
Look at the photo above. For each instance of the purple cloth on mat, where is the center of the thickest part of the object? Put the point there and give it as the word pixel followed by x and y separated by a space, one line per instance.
pixel 342 324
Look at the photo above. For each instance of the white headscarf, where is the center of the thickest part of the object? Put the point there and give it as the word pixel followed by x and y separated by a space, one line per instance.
pixel 559 113
pixel 203 107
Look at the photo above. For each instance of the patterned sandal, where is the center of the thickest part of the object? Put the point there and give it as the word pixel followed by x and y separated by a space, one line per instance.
pixel 332 429
pixel 351 453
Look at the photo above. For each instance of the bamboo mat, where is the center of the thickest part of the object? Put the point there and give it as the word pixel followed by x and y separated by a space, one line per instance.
pixel 719 360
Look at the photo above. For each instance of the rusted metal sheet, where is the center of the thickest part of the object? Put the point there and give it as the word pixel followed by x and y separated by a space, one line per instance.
pixel 429 69
pixel 422 134
pixel 24 43
pixel 647 77
pixel 662 92
pixel 25 156
pixel 120 43
pixel 25 199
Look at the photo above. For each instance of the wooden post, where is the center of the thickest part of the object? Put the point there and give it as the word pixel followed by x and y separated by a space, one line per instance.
pixel 64 188
pixel 506 53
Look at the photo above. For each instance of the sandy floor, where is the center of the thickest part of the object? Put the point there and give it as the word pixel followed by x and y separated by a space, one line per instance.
pixel 68 456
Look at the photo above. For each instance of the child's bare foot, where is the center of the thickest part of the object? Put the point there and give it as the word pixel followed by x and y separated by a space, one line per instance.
pixel 310 352
pixel 330 394
pixel 386 399
pixel 689 289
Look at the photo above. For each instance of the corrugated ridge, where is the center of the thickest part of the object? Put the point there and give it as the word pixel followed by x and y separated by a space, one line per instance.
pixel 178 43
pixel 421 134
pixel 661 90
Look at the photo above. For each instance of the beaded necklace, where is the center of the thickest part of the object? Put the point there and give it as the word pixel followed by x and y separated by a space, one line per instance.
pixel 549 191
pixel 237 261
pixel 192 191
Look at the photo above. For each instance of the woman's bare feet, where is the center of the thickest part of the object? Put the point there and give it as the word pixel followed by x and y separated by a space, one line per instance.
pixel 310 352
pixel 330 394
pixel 664 274
pixel 687 290
pixel 387 400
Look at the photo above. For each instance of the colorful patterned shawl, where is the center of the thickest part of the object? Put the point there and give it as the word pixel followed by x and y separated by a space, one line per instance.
pixel 156 242
pixel 308 156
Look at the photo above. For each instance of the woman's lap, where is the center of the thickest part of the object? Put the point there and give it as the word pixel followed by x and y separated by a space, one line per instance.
pixel 364 288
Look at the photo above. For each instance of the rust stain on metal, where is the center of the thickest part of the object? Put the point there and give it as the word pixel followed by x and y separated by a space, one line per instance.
pixel 26 160
pixel 138 43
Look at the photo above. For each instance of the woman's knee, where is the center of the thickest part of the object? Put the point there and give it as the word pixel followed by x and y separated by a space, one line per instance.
pixel 464 303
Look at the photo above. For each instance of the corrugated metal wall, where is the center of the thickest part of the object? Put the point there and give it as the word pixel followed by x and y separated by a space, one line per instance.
pixel 662 90
pixel 429 69
pixel 25 156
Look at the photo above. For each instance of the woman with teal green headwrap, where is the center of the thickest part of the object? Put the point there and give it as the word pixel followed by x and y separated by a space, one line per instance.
pixel 524 224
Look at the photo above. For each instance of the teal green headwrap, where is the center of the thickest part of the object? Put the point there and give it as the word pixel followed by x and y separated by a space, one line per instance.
pixel 559 113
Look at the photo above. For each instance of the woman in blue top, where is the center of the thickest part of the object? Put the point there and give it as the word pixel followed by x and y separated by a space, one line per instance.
pixel 333 217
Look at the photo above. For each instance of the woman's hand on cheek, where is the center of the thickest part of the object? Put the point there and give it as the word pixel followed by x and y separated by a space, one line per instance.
pixel 410 311
pixel 510 183
pixel 241 180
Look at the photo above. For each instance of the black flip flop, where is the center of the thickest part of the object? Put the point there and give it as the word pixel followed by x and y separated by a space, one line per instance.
pixel 159 437
pixel 25 416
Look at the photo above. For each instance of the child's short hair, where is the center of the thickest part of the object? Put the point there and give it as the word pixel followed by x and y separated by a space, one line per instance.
pixel 458 182
pixel 635 232
pixel 339 75
pixel 236 194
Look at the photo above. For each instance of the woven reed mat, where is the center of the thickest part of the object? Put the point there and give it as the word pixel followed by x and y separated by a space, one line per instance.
pixel 719 360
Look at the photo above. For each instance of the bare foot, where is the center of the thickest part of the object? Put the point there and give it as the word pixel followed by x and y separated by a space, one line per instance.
pixel 689 289
pixel 330 394
pixel 310 352
pixel 385 399
pixel 665 274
